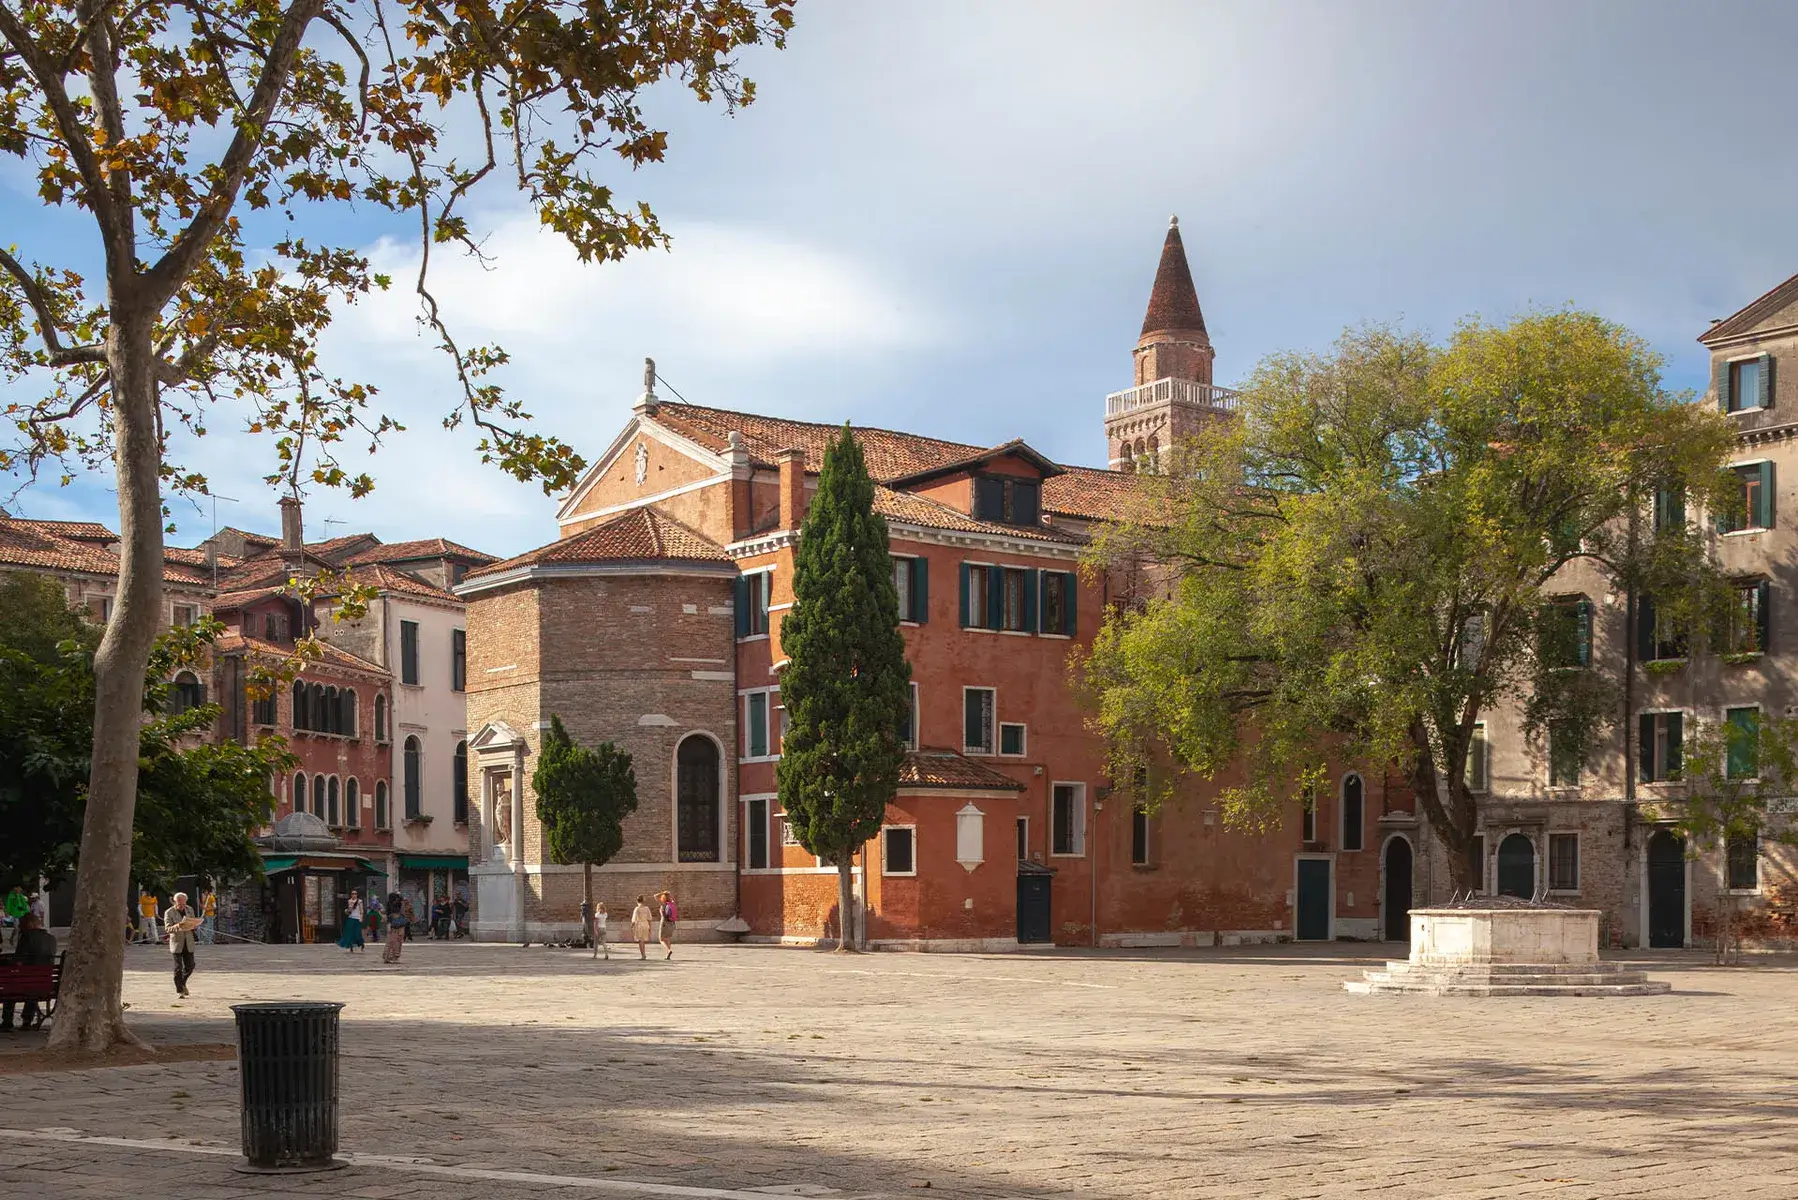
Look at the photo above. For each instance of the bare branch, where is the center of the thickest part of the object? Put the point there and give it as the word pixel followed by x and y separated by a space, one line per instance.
pixel 60 355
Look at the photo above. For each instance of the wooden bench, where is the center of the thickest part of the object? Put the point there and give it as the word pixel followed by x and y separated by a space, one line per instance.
pixel 26 981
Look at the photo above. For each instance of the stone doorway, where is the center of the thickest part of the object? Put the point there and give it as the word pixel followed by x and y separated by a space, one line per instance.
pixel 1311 921
pixel 1395 905
pixel 1666 890
pixel 1517 867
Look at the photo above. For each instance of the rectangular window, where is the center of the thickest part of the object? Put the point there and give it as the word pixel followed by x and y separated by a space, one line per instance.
pixel 1354 797
pixel 1308 817
pixel 1058 602
pixel 409 652
pixel 1479 767
pixel 977 720
pixel 105 609
pixel 1067 820
pixel 1563 862
pixel 898 851
pixel 752 595
pixel 1743 729
pixel 911 579
pixel 1563 756
pixel 1746 379
pixel 1659 747
pixel 1023 839
pixel 1670 508
pixel 1005 500
pixel 902 586
pixel 1566 633
pixel 1476 855
pixel 1750 622
pixel 1754 508
pixel 262 711
pixel 459 660
pixel 1016 615
pixel 980 596
pixel 184 615
pixel 908 733
pixel 1658 639
pixel 1011 739
pixel 1139 836
pixel 756 831
pixel 756 742
pixel 1744 862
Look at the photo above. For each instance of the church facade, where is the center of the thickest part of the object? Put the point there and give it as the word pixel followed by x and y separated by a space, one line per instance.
pixel 654 622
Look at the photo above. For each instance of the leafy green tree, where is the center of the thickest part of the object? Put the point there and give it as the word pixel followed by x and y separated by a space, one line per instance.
pixel 1362 566
pixel 198 805
pixel 583 796
pixel 200 141
pixel 1738 779
pixel 846 683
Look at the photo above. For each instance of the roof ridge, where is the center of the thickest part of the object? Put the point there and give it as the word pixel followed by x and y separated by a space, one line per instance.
pixel 1730 325
pixel 830 425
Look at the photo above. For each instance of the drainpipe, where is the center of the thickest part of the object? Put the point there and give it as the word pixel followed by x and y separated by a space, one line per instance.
pixel 1093 869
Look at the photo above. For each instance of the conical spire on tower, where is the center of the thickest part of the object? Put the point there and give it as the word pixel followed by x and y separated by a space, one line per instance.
pixel 1173 302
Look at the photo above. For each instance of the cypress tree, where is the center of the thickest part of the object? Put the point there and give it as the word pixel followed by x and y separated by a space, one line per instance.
pixel 583 796
pixel 846 683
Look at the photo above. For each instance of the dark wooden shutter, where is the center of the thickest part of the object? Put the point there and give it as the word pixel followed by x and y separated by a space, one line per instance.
pixel 1645 648
pixel 1765 398
pixel 1583 614
pixel 1645 747
pixel 1763 514
pixel 1722 384
pixel 965 614
pixel 995 597
pixel 740 602
pixel 1032 582
pixel 1069 591
pixel 1763 615
pixel 920 589
pixel 1675 734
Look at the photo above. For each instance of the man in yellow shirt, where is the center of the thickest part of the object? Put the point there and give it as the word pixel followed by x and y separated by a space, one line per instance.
pixel 146 918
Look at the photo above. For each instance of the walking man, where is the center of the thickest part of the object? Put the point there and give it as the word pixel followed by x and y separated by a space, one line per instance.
pixel 146 914
pixel 179 923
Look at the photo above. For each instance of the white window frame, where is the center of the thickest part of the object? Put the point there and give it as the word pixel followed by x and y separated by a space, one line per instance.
pixel 1660 778
pixel 769 725
pixel 977 612
pixel 907 601
pixel 766 576
pixel 1730 382
pixel 885 851
pixel 1548 862
pixel 992 748
pixel 1760 722
pixel 1077 825
pixel 768 834
pixel 1023 745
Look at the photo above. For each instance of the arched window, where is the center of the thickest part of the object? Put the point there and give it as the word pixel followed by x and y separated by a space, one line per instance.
pixel 380 717
pixel 1125 461
pixel 411 780
pixel 331 812
pixel 346 710
pixel 331 722
pixel 1353 796
pixel 318 796
pixel 189 693
pixel 696 799
pixel 381 821
pixel 460 783
pixel 299 791
pixel 300 713
pixel 321 722
pixel 352 804
pixel 1517 867
pixel 1154 452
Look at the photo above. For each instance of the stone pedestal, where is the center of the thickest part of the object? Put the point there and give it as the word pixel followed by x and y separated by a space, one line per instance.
pixel 1517 949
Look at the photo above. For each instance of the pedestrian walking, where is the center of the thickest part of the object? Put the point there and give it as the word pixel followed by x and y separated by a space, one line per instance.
pixel 640 927
pixel 669 915
pixel 599 932
pixel 460 911
pixel 396 928
pixel 179 923
pixel 371 918
pixel 209 918
pixel 146 917
pixel 351 937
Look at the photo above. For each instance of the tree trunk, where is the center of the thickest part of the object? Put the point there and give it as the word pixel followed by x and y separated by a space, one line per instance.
pixel 845 906
pixel 1450 815
pixel 89 1013
pixel 587 884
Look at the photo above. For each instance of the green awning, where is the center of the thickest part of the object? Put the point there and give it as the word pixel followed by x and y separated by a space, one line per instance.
pixel 320 862
pixel 372 868
pixel 271 865
pixel 434 862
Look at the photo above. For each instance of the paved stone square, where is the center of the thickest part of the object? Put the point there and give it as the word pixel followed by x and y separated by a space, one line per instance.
pixel 481 1070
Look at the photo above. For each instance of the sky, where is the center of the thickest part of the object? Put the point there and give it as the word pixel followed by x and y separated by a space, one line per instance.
pixel 945 217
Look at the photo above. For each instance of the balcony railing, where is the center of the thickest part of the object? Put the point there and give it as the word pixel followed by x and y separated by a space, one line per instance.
pixel 1179 391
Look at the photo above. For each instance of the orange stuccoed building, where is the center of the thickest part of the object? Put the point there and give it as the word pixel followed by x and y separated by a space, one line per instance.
pixel 654 623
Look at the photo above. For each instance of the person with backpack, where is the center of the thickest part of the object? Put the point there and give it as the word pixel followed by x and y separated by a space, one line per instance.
pixel 669 916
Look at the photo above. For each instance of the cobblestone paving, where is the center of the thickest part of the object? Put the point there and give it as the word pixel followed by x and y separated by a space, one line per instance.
pixel 737 1071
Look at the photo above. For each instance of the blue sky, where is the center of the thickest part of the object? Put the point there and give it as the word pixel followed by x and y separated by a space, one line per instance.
pixel 945 218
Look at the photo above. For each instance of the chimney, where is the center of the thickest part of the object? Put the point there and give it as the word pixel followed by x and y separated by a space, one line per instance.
pixel 742 515
pixel 792 488
pixel 293 544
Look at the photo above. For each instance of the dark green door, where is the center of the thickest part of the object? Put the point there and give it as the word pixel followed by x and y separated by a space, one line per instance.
pixel 1517 867
pixel 1034 924
pixel 1313 918
pixel 1666 890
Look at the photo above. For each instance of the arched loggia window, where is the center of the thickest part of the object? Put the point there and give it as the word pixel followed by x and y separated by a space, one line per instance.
pixel 696 799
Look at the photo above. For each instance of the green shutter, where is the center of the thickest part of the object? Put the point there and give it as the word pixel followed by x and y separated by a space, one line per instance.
pixel 1675 735
pixel 1645 748
pixel 1763 618
pixel 1583 614
pixel 920 589
pixel 1763 510
pixel 740 603
pixel 964 595
pixel 1070 591
pixel 1722 378
pixel 1031 584
pixel 995 598
pixel 1766 382
pixel 1645 648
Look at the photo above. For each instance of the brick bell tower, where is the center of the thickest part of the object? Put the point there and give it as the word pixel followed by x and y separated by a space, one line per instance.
pixel 1173 397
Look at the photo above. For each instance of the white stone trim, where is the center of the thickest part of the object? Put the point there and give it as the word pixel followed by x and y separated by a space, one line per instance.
pixel 1330 859
pixel 645 425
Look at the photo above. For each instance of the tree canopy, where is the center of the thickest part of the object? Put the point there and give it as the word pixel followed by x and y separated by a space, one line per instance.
pixel 583 795
pixel 1377 552
pixel 846 683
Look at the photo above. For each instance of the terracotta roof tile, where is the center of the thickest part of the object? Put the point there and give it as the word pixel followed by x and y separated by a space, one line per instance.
pixel 388 552
pixel 388 579
pixel 641 534
pixel 1173 301
pixel 334 655
pixel 35 544
pixel 1095 495
pixel 890 454
pixel 83 531
pixel 937 767
pixel 913 509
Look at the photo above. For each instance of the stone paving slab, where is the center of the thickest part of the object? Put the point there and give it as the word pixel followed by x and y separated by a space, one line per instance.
pixel 1212 1073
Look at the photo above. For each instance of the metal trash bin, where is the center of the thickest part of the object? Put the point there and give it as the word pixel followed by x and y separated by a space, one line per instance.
pixel 287 1061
